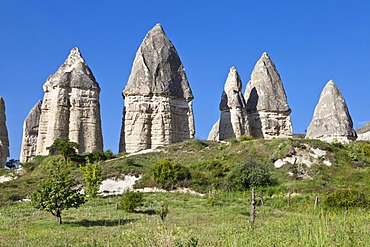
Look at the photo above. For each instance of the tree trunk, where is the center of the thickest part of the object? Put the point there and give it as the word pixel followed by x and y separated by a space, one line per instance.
pixel 59 216
pixel 316 201
pixel 253 209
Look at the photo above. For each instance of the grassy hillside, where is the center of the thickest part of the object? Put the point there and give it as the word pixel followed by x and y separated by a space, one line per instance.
pixel 220 218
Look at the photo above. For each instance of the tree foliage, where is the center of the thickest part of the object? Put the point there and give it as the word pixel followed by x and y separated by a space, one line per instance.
pixel 248 175
pixel 63 147
pixel 58 191
pixel 346 198
pixel 92 177
pixel 131 200
pixel 167 174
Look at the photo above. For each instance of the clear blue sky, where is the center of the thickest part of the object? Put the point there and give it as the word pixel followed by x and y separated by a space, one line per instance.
pixel 310 42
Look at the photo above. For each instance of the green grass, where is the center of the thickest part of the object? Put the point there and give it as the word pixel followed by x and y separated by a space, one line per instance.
pixel 98 223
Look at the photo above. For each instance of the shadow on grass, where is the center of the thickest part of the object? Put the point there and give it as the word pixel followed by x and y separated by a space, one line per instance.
pixel 146 211
pixel 88 223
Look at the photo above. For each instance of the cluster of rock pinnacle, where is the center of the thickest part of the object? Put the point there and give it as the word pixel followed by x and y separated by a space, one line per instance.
pixel 158 106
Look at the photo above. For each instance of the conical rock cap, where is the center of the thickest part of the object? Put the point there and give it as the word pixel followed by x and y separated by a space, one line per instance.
pixel 74 72
pixel 265 91
pixel 331 119
pixel 157 69
pixel 232 96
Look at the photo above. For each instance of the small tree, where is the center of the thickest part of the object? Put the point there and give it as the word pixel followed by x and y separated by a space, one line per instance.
pixel 92 177
pixel 57 192
pixel 63 147
pixel 131 200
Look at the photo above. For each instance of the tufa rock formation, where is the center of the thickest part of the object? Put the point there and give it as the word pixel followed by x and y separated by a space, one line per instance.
pixel 71 108
pixel 30 133
pixel 158 98
pixel 331 120
pixel 233 120
pixel 4 141
pixel 363 133
pixel 267 105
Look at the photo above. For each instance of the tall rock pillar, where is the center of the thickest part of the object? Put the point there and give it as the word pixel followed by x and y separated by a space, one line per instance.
pixel 267 105
pixel 158 98
pixel 331 119
pixel 4 140
pixel 30 133
pixel 233 120
pixel 71 108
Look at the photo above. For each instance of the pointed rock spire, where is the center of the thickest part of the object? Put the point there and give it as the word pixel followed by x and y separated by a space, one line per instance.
pixel 70 108
pixel 4 140
pixel 157 69
pixel 267 103
pixel 158 108
pixel 233 119
pixel 30 133
pixel 331 120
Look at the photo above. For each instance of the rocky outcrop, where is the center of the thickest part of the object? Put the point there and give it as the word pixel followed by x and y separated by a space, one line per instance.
pixel 233 120
pixel 331 120
pixel 158 98
pixel 267 105
pixel 30 133
pixel 363 133
pixel 70 108
pixel 4 140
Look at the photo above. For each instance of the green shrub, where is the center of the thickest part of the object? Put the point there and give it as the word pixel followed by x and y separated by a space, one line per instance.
pixel 248 175
pixel 345 198
pixel 245 138
pixel 163 211
pixel 131 200
pixel 168 174
pixel 92 175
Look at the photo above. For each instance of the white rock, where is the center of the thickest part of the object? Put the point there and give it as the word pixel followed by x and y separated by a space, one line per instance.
pixel 70 108
pixel 331 120
pixel 233 120
pixel 267 105
pixel 158 99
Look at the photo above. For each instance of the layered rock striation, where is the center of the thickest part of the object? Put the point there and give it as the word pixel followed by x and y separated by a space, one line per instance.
pixel 4 140
pixel 233 120
pixel 267 105
pixel 331 120
pixel 30 133
pixel 70 108
pixel 157 98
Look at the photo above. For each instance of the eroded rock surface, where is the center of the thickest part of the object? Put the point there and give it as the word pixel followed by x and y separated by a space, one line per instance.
pixel 363 133
pixel 331 120
pixel 233 120
pixel 70 108
pixel 4 140
pixel 267 105
pixel 30 133
pixel 158 98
